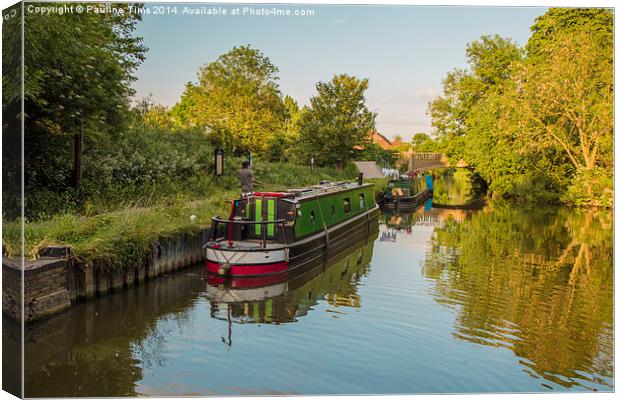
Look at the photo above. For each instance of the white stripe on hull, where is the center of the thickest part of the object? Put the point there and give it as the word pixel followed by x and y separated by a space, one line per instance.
pixel 234 257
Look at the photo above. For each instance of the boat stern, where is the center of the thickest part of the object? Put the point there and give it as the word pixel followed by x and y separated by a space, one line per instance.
pixel 237 260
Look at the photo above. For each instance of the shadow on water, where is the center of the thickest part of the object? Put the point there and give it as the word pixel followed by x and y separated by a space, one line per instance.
pixel 94 349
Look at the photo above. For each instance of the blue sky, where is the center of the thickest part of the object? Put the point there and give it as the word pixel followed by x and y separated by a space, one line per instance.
pixel 404 51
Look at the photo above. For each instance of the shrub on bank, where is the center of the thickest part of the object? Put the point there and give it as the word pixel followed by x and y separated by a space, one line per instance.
pixel 139 166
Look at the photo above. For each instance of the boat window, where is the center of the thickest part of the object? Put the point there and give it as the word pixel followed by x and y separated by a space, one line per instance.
pixel 362 201
pixel 333 209
pixel 346 202
pixel 312 218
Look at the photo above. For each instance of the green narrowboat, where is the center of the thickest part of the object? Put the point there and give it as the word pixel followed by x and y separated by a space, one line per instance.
pixel 405 193
pixel 271 233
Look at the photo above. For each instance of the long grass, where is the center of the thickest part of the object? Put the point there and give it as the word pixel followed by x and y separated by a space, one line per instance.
pixel 123 237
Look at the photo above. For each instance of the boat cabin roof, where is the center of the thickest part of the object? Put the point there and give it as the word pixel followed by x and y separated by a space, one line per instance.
pixel 323 188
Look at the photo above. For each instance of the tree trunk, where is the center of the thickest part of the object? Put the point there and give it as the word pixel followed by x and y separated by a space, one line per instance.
pixel 77 155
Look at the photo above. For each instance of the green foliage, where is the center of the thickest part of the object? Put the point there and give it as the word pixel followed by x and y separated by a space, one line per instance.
pixel 591 187
pixel 423 143
pixel 419 138
pixel 293 117
pixel 597 22
pixel 490 59
pixel 237 100
pixel 143 166
pixel 528 124
pixel 336 122
pixel 70 86
pixel 72 82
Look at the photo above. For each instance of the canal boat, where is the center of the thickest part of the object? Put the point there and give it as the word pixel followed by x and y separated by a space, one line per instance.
pixel 271 233
pixel 405 193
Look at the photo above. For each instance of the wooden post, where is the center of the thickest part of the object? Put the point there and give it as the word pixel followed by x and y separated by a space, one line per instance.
pixel 77 154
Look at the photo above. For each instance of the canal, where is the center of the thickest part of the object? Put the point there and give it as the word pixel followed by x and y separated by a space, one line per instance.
pixel 495 298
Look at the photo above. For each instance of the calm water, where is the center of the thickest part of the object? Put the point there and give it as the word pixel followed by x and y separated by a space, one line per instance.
pixel 499 299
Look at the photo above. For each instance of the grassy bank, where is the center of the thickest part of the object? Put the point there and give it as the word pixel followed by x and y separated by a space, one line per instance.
pixel 123 237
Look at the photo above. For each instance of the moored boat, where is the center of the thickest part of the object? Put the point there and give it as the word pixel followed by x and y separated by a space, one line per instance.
pixel 270 233
pixel 406 193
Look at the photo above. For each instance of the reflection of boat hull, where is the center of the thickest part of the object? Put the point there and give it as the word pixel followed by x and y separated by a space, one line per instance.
pixel 286 258
pixel 241 283
pixel 286 298
pixel 226 295
pixel 406 202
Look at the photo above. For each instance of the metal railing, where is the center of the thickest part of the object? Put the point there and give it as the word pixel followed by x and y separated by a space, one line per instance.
pixel 228 225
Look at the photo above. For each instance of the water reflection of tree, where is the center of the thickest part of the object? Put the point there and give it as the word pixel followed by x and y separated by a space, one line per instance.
pixel 539 282
pixel 457 187
pixel 100 348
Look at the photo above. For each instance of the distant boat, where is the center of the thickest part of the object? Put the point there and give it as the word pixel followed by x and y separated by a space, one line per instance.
pixel 275 232
pixel 406 193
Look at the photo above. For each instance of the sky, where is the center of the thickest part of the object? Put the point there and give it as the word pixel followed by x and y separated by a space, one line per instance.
pixel 404 51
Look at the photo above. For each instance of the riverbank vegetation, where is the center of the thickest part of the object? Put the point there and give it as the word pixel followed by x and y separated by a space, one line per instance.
pixel 125 235
pixel 536 122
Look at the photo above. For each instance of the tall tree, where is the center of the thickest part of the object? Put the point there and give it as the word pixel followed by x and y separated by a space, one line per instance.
pixel 236 99
pixel 597 22
pixel 337 120
pixel 75 87
pixel 490 60
pixel 566 102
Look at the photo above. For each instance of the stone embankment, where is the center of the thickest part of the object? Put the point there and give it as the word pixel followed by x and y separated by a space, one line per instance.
pixel 57 280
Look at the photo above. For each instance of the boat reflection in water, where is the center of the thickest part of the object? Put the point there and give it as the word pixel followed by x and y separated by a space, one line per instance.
pixel 284 298
pixel 402 222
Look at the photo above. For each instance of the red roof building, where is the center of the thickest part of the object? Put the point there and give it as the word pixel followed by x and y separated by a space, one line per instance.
pixel 379 139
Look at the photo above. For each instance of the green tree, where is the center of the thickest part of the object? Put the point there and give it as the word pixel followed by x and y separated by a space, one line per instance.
pixel 75 90
pixel 337 121
pixel 490 60
pixel 419 138
pixel 564 100
pixel 597 22
pixel 293 117
pixel 237 100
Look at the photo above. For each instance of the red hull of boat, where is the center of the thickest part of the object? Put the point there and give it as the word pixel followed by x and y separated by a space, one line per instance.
pixel 249 270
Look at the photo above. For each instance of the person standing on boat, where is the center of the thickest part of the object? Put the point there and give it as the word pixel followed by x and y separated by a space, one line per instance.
pixel 246 178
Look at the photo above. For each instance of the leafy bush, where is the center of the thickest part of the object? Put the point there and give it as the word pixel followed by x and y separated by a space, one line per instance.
pixel 141 166
pixel 590 188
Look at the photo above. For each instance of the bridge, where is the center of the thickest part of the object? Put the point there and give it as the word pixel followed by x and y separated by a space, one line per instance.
pixel 424 161
pixel 415 161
